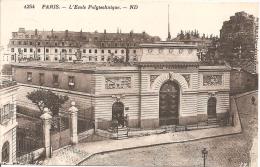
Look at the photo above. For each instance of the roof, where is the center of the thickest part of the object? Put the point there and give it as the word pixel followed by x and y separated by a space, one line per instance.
pixel 68 66
pixel 166 44
pixel 4 83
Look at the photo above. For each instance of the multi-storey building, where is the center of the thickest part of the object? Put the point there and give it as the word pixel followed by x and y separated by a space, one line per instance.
pixel 206 45
pixel 69 46
pixel 8 123
pixel 168 86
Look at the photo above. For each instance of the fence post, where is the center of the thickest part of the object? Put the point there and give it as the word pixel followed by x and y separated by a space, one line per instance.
pixel 46 117
pixel 74 123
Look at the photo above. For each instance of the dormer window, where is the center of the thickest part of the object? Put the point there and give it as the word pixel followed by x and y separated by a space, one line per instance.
pixel 29 76
pixel 150 50
pixel 170 50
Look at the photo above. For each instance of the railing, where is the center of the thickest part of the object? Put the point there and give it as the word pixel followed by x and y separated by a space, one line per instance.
pixel 5 118
pixel 6 84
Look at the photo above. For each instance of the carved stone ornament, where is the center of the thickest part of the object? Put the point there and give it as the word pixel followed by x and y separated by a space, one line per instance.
pixel 118 83
pixel 212 80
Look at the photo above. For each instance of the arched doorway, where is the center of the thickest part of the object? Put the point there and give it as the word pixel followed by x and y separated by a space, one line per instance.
pixel 118 112
pixel 169 103
pixel 212 103
pixel 6 152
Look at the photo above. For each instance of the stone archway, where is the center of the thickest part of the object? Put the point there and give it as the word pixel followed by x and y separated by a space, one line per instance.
pixel 212 107
pixel 118 112
pixel 169 97
pixel 6 152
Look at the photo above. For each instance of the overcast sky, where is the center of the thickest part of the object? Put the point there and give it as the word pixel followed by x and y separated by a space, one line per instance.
pixel 151 16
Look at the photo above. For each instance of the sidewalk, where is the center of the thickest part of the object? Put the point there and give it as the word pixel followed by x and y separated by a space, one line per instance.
pixel 74 155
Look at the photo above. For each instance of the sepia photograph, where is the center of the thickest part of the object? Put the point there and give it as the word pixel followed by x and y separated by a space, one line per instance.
pixel 129 83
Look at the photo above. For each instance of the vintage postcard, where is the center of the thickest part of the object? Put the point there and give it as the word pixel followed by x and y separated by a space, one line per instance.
pixel 129 83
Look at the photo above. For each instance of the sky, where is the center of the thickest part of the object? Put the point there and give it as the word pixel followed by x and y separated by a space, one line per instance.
pixel 207 16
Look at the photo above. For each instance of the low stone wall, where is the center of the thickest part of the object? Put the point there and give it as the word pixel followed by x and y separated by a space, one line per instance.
pixel 31 157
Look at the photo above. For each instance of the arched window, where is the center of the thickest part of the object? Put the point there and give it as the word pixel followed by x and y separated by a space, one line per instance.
pixel 6 152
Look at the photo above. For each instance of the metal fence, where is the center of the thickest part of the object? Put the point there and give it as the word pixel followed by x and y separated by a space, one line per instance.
pixel 29 137
pixel 60 131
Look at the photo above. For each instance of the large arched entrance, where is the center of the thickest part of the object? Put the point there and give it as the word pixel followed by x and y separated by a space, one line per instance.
pixel 169 103
pixel 118 112
pixel 6 152
pixel 212 103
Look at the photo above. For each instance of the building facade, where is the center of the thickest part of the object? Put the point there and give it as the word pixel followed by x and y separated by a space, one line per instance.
pixel 167 87
pixel 8 121
pixel 55 46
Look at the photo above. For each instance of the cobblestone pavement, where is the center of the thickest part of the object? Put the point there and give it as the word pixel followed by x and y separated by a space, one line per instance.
pixel 228 151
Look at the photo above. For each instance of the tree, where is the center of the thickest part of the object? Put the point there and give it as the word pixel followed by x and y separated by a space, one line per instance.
pixel 46 98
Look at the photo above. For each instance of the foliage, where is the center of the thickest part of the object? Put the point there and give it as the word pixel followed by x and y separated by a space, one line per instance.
pixel 46 98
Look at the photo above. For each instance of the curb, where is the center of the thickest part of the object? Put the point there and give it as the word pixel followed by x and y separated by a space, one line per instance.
pixel 152 145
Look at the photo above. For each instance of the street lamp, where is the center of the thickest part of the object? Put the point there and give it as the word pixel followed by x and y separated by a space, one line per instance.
pixel 204 153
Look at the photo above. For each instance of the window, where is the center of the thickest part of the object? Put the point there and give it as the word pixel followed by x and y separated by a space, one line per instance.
pixel 6 113
pixel 56 58
pixel 47 50
pixel 180 51
pixel 12 49
pixel 24 50
pixel 150 50
pixel 55 80
pixel 102 51
pixel 70 58
pixel 19 43
pixel 29 76
pixel 31 50
pixel 39 50
pixel 25 43
pixel 41 78
pixel 62 43
pixel 89 51
pixel 102 58
pixel 134 51
pixel 95 58
pixel 109 51
pixel 13 42
pixel 70 50
pixel 115 51
pixel 56 50
pixel 84 50
pixel 102 44
pixel 39 43
pixel 95 50
pixel 63 50
pixel 56 44
pixel 71 82
pixel 90 58
pixel 31 43
pixel 122 51
pixel 47 57
pixel 115 44
pixel 47 43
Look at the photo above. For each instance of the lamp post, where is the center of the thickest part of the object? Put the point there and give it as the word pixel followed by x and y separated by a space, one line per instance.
pixel 204 153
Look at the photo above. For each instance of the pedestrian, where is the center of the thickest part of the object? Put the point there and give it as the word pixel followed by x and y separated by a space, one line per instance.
pixel 253 100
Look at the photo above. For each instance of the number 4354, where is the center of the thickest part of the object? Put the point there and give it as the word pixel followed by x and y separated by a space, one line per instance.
pixel 29 6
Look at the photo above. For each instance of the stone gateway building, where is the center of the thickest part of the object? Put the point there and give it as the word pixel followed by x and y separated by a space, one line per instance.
pixel 167 86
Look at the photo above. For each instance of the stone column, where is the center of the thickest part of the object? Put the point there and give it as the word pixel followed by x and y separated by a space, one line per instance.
pixel 46 117
pixel 73 123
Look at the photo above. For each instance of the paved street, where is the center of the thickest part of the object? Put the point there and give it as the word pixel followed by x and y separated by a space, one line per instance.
pixel 228 151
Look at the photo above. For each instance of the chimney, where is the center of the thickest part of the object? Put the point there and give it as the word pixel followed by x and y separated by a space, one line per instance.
pixel 117 30
pixel 105 31
pixel 52 32
pixel 36 32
